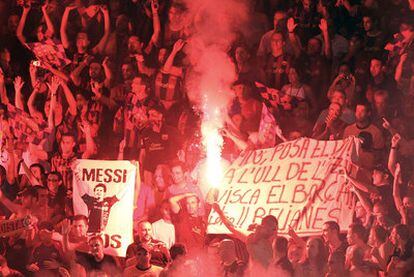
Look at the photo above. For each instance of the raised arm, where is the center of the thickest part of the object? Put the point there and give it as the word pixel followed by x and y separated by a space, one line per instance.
pixel 75 75
pixel 361 186
pixel 392 158
pixel 327 51
pixel 22 22
pixel 100 47
pixel 397 194
pixel 11 162
pixel 3 92
pixel 291 26
pixel 30 103
pixel 175 201
pixel 142 67
pixel 49 24
pixel 90 143
pixel 64 26
pixel 69 98
pixel 399 68
pixel 237 233
pixel 13 207
pixel 168 67
pixel 107 72
pixel 53 87
pixel 363 199
pixel 56 72
pixel 157 27
pixel 18 85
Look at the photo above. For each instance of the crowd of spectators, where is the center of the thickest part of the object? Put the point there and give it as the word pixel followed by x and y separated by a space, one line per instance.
pixel 325 69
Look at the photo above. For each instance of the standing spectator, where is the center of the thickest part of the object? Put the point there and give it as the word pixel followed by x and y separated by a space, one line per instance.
pixel 336 246
pixel 143 266
pixel 96 262
pixel 159 253
pixel 259 245
pixel 163 229
pixel 189 225
pixel 373 140
pixel 280 265
pixel 315 262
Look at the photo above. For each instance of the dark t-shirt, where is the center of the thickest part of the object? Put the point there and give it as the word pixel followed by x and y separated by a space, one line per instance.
pixel 44 253
pixel 98 212
pixel 190 230
pixel 106 266
pixel 164 145
pixel 160 255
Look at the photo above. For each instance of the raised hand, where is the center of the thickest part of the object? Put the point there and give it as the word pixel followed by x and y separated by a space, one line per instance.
pixel 154 6
pixel 397 171
pixel 18 83
pixel 291 25
pixel 178 45
pixel 323 25
pixel 105 62
pixel 70 8
pixel 65 227
pixel 122 145
pixel 386 124
pixel 53 85
pixel 395 141
pixel 45 5
pixel 33 268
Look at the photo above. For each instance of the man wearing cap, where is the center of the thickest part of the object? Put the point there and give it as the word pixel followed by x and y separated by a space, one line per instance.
pixel 143 266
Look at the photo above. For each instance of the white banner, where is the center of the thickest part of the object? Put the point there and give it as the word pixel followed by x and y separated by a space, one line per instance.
pixel 299 182
pixel 104 192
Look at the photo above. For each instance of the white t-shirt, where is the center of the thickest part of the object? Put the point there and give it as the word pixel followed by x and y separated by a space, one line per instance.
pixel 164 232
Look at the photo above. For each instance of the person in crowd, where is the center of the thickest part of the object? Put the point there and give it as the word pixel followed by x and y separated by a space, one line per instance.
pixel 373 139
pixel 143 266
pixel 315 263
pixel 356 238
pixel 96 262
pixel 280 266
pixel 121 80
pixel 189 225
pixel 336 246
pixel 6 270
pixel 163 229
pixel 160 255
pixel 259 245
